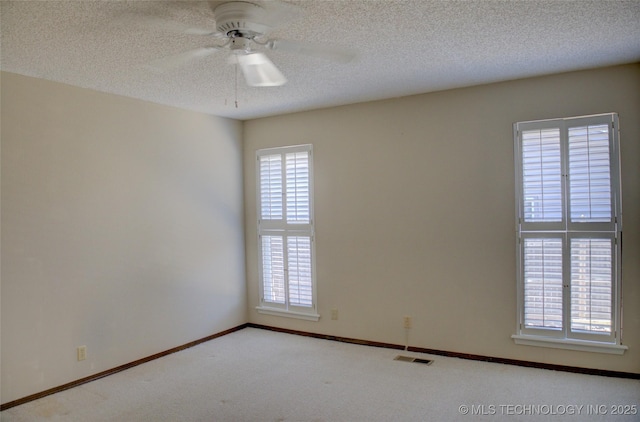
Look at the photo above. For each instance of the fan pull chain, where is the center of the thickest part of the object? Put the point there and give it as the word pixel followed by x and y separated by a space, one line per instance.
pixel 236 93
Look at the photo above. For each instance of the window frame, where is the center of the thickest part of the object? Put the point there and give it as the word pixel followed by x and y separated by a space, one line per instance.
pixel 567 230
pixel 286 230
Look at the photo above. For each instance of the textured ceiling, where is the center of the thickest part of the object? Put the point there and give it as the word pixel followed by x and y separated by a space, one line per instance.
pixel 403 47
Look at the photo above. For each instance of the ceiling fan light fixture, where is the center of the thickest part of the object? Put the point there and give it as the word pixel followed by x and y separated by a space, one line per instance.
pixel 258 70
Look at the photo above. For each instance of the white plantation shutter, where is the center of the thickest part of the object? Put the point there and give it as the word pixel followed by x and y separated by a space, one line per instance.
pixel 270 169
pixel 297 169
pixel 541 175
pixel 285 227
pixel 568 204
pixel 300 280
pixel 591 285
pixel 543 282
pixel 273 269
pixel 589 174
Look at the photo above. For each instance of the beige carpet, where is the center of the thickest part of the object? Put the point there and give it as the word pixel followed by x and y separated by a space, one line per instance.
pixel 258 375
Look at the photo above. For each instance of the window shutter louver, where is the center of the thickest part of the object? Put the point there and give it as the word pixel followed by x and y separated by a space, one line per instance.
pixel 591 285
pixel 297 176
pixel 271 187
pixel 543 283
pixel 300 281
pixel 541 176
pixel 273 270
pixel 589 174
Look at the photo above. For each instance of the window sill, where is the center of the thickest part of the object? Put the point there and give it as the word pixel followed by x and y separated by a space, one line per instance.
pixel 287 314
pixel 570 344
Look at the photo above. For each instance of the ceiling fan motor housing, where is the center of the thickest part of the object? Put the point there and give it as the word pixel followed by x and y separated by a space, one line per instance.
pixel 240 44
pixel 240 19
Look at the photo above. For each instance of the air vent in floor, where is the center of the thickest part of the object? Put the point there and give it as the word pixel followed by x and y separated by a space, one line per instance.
pixel 411 359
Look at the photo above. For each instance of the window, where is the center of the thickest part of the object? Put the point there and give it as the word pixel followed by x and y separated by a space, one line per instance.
pixel 285 232
pixel 569 229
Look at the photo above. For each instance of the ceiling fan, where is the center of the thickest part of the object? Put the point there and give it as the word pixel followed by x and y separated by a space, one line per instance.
pixel 242 27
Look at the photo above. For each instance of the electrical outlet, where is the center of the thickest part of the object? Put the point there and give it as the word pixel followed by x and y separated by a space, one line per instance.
pixel 82 352
pixel 334 314
pixel 406 320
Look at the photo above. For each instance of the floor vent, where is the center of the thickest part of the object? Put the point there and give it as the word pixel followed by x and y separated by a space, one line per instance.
pixel 410 359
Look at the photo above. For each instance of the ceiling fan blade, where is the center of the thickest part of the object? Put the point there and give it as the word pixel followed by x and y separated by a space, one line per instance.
pixel 157 23
pixel 259 71
pixel 171 62
pixel 315 50
pixel 279 13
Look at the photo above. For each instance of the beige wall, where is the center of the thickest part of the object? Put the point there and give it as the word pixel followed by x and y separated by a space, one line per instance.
pixel 414 201
pixel 122 230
